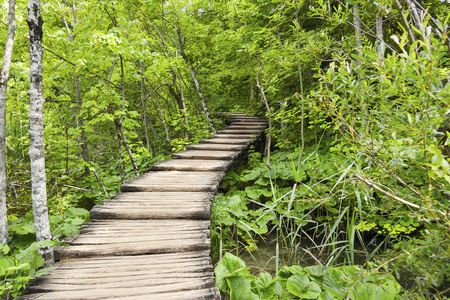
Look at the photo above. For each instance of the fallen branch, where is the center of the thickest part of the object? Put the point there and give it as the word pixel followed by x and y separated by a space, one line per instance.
pixel 76 188
pixel 410 204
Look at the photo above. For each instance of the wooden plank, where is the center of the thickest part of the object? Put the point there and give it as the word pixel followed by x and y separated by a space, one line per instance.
pixel 236 136
pixel 154 205
pixel 216 147
pixel 141 260
pixel 199 293
pixel 192 165
pixel 240 131
pixel 132 248
pixel 167 196
pixel 246 127
pixel 174 181
pixel 227 141
pixel 206 155
pixel 250 122
pixel 142 282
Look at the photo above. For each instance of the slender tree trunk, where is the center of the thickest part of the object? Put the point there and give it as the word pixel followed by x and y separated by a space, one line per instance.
pixel 36 152
pixel 405 22
pixel 163 119
pixel 357 24
pixel 79 118
pixel 4 75
pixel 183 102
pixel 127 146
pixel 379 31
pixel 144 108
pixel 269 115
pixel 300 79
pixel 197 84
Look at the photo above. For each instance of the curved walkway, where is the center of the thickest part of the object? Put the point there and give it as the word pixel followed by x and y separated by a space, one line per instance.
pixel 152 240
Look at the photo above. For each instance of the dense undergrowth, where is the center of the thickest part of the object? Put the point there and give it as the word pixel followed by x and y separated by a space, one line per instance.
pixel 372 177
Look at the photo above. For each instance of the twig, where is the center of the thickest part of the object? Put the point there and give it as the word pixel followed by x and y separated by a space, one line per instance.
pixel 76 188
pixel 374 186
pixel 312 256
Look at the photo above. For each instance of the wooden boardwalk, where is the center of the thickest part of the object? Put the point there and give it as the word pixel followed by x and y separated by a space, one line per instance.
pixel 152 240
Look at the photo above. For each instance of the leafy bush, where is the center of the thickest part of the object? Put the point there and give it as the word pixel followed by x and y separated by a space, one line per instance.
pixel 20 261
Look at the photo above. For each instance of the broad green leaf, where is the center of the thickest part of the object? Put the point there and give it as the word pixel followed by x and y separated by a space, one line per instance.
pixel 371 292
pixel 302 287
pixel 229 266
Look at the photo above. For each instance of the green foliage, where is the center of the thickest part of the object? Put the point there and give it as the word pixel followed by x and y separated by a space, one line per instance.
pixel 295 282
pixel 18 267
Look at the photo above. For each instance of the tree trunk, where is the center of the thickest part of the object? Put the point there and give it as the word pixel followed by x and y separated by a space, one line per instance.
pixel 80 121
pixel 36 152
pixel 127 146
pixel 4 75
pixel 379 31
pixel 197 84
pixel 407 26
pixel 183 102
pixel 357 24
pixel 144 108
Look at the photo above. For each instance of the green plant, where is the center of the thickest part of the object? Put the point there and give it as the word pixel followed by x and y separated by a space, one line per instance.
pixel 18 267
pixel 295 282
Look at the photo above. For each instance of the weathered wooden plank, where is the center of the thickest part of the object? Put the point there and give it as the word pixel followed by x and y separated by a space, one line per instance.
pixel 174 181
pixel 246 127
pixel 169 212
pixel 192 165
pixel 142 260
pixel 129 293
pixel 144 237
pixel 227 141
pixel 133 248
pixel 206 155
pixel 155 205
pixel 240 131
pixel 249 122
pixel 49 286
pixel 236 136
pixel 216 147
pixel 168 267
pixel 167 196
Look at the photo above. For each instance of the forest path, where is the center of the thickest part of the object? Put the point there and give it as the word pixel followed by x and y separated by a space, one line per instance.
pixel 152 240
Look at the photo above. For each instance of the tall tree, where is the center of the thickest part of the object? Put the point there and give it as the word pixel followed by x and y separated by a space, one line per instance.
pixel 4 75
pixel 36 152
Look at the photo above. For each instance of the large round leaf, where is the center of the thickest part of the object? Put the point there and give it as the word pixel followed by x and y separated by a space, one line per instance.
pixel 302 287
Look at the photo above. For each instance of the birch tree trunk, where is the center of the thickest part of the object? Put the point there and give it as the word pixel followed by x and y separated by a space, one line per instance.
pixel 4 75
pixel 36 153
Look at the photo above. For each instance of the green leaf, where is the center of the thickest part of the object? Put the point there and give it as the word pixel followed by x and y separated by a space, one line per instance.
pixel 229 266
pixel 73 212
pixel 333 283
pixel 240 288
pixel 302 287
pixel 371 292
